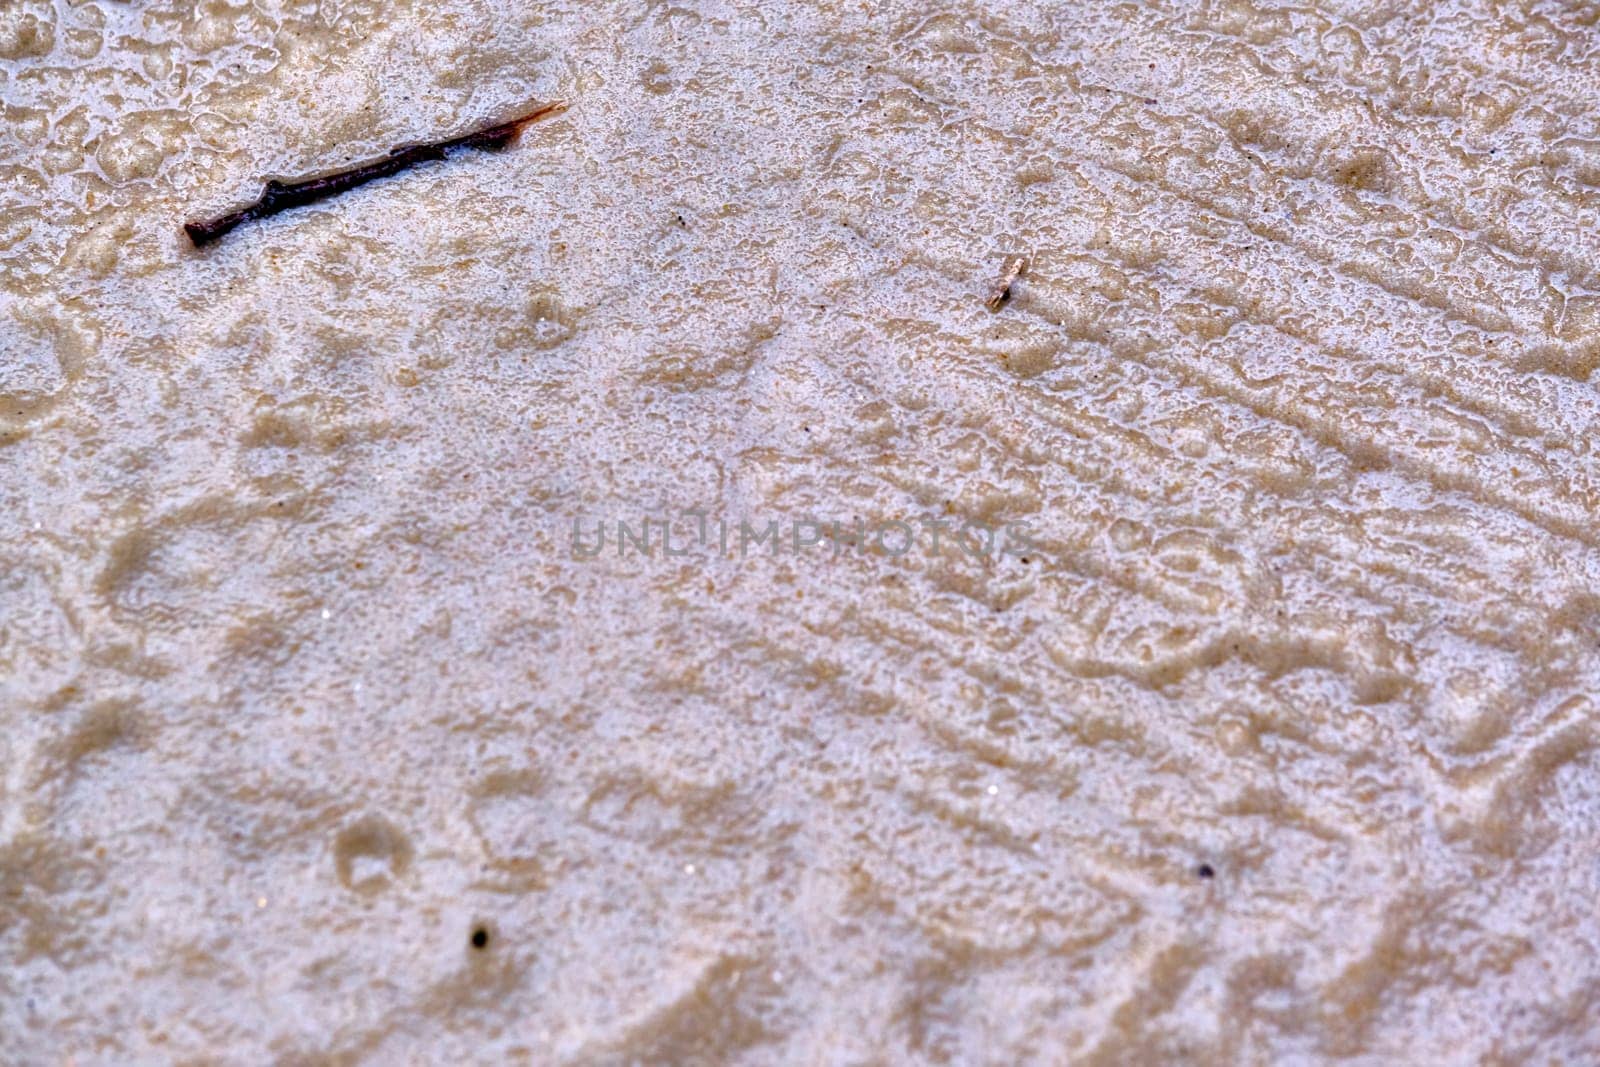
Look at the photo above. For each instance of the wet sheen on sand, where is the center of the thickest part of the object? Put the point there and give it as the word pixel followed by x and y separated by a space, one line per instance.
pixel 321 740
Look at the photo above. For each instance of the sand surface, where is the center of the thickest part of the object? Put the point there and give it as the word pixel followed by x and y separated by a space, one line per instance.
pixel 1193 661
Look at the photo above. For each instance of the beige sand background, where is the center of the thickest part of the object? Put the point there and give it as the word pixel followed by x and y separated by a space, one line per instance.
pixel 302 683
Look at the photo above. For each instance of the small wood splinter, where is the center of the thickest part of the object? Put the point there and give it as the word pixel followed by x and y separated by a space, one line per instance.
pixel 1014 266
pixel 283 195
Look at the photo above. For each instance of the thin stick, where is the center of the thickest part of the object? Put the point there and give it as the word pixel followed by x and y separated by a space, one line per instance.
pixel 283 195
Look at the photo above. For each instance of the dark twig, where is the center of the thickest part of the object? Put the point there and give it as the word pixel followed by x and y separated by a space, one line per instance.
pixel 281 196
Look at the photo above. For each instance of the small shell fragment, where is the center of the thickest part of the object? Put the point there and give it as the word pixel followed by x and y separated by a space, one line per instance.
pixel 1014 266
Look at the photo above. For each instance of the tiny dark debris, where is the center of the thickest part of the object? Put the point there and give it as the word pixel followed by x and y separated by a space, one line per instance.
pixel 480 938
pixel 1205 870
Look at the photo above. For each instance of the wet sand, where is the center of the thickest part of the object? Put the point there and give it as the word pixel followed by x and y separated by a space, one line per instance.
pixel 1191 661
